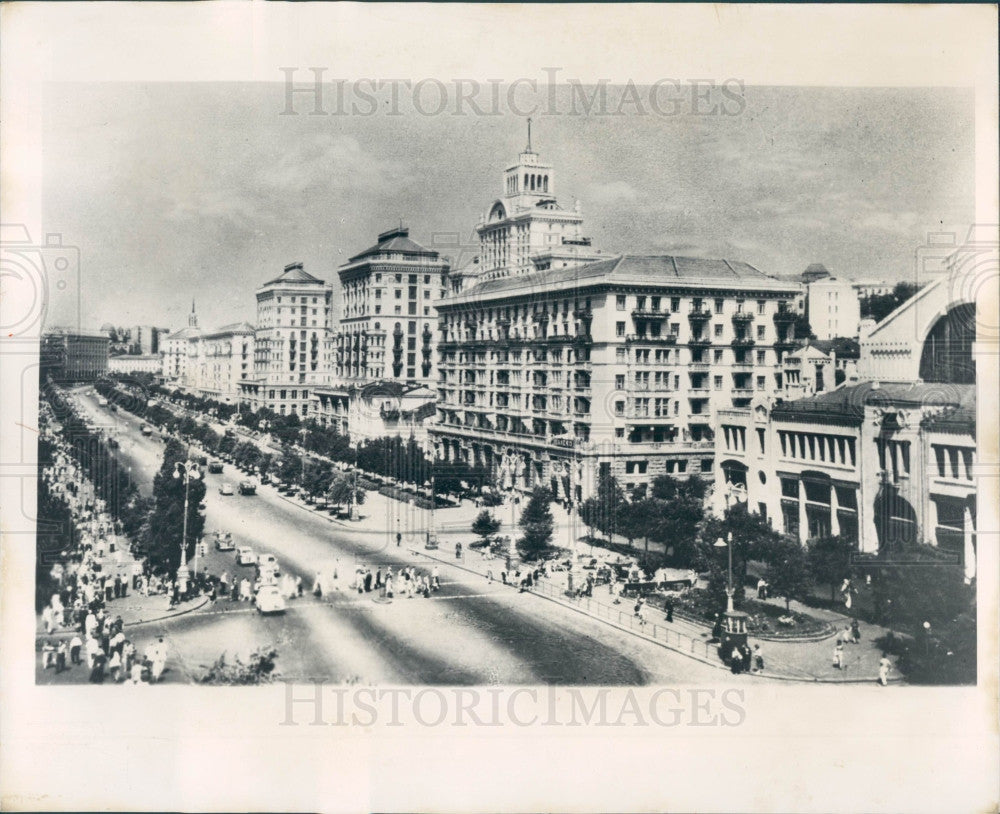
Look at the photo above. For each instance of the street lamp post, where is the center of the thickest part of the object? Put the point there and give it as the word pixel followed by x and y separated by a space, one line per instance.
pixel 189 471
pixel 720 543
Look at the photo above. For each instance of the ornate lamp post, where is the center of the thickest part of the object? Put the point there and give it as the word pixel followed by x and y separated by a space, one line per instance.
pixel 735 630
pixel 189 471
pixel 720 543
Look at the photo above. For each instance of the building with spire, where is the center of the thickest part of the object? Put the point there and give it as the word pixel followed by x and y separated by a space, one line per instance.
pixel 555 368
pixel 174 350
pixel 525 229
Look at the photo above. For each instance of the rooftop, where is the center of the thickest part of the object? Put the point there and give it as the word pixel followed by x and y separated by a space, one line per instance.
pixel 294 273
pixel 630 270
pixel 396 241
pixel 849 402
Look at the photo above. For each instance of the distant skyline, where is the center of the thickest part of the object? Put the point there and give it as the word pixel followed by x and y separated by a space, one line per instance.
pixel 174 191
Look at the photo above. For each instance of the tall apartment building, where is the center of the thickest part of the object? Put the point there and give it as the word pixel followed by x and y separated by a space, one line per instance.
pixel 387 321
pixel 218 359
pixel 615 366
pixel 73 355
pixel 294 323
pixel 833 307
pixel 174 349
pixel 526 229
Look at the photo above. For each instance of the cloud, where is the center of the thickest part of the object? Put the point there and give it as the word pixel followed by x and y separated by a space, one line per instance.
pixel 611 194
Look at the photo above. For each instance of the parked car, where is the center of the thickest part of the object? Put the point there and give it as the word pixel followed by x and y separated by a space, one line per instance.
pixel 145 429
pixel 248 487
pixel 224 541
pixel 245 556
pixel 102 401
pixel 215 466
pixel 226 489
pixel 269 599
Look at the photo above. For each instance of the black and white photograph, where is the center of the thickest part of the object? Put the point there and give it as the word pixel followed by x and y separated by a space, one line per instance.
pixel 441 396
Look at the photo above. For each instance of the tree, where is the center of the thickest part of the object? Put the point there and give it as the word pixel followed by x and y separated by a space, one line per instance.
pixel 787 571
pixel 802 328
pixel 537 525
pixel 485 525
pixel 753 539
pixel 166 522
pixel 829 560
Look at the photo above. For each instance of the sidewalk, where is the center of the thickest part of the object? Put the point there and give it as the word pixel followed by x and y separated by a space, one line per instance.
pixel 793 660
pixel 134 609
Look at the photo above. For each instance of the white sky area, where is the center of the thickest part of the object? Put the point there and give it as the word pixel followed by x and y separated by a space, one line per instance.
pixel 181 190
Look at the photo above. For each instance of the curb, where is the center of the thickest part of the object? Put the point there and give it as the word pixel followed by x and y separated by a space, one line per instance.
pixel 710 662
pixel 199 606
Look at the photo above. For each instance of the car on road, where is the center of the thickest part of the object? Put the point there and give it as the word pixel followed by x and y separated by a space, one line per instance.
pixel 145 429
pixel 269 599
pixel 215 466
pixel 226 489
pixel 224 541
pixel 245 556
pixel 248 487
pixel 102 401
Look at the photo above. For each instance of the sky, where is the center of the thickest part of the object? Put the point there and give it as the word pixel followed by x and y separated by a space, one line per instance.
pixel 205 191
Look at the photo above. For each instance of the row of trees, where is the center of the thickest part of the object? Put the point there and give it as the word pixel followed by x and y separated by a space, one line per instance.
pixel 879 306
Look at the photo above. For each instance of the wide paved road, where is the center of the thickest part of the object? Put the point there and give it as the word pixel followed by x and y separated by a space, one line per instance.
pixel 470 632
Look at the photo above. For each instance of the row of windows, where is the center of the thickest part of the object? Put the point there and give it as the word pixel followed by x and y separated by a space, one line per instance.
pixel 718 330
pixel 954 462
pixel 621 303
pixel 837 449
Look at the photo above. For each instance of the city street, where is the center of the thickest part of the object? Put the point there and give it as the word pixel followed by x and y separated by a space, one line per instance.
pixel 470 632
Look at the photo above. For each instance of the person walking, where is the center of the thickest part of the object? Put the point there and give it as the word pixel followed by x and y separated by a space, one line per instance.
pixel 747 659
pixel 838 656
pixel 883 669
pixel 758 655
pixel 61 657
pixel 670 610
pixel 735 661
pixel 74 649
pixel 855 631
pixel 159 660
pixel 298 586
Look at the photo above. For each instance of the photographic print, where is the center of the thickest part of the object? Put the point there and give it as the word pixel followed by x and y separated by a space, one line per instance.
pixel 546 398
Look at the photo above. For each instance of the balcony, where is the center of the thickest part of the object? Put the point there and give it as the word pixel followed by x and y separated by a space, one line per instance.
pixel 742 392
pixel 583 313
pixel 649 313
pixel 786 345
pixel 743 342
pixel 700 342
pixel 663 339
pixel 784 316
pixel 699 366
pixel 742 363
pixel 743 317
pixel 699 314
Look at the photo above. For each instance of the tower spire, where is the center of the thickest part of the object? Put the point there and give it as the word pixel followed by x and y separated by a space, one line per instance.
pixel 528 148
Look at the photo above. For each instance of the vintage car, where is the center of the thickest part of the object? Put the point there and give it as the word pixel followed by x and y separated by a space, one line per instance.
pixel 245 556
pixel 248 487
pixel 269 599
pixel 224 541
pixel 226 489
pixel 215 466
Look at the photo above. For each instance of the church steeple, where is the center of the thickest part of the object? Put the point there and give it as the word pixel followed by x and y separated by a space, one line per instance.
pixel 192 317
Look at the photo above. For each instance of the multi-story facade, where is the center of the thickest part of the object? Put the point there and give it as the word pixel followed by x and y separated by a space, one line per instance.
pixel 833 307
pixel 294 322
pixel 526 230
pixel 387 321
pixel 884 463
pixel 145 339
pixel 218 359
pixel 73 354
pixel 616 366
pixel 174 350
pixel 132 363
